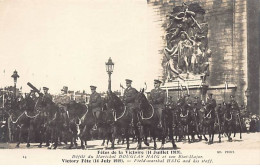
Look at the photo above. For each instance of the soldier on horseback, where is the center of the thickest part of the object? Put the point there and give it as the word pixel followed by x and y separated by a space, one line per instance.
pixel 129 101
pixel 211 103
pixel 95 105
pixel 235 112
pixel 157 98
pixel 47 97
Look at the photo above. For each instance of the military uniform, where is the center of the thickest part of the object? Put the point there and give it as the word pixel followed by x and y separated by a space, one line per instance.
pixel 157 97
pixel 129 101
pixel 211 103
pixel 95 102
pixel 129 97
pixel 47 99
pixel 234 109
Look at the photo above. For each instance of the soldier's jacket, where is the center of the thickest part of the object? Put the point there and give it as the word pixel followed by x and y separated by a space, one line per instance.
pixel 95 102
pixel 129 95
pixel 157 96
pixel 47 98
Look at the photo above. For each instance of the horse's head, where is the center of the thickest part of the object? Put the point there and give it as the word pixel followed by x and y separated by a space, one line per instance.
pixel 141 100
pixel 113 101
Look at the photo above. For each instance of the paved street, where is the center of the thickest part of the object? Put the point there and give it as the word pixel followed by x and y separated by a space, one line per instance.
pixel 249 141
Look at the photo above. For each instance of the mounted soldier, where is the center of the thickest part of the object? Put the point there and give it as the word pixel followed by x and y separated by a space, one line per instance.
pixel 235 112
pixel 211 103
pixel 63 99
pixel 47 97
pixel 157 98
pixel 95 105
pixel 129 101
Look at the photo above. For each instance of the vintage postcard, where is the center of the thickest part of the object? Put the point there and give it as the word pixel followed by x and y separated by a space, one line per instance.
pixel 147 82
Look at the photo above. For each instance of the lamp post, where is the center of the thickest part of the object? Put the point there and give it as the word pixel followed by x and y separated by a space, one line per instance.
pixel 110 68
pixel 15 76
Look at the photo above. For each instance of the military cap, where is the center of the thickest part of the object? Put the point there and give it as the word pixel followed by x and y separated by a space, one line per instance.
pixel 45 88
pixel 157 81
pixel 65 88
pixel 93 87
pixel 128 81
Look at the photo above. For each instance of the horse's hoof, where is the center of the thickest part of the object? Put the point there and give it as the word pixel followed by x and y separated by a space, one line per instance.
pixel 102 144
pixel 83 147
pixel 70 147
pixel 219 141
pixel 162 147
pixel 17 146
pixel 206 139
pixel 139 146
pixel 39 146
pixel 28 145
pixel 155 147
pixel 146 143
pixel 174 146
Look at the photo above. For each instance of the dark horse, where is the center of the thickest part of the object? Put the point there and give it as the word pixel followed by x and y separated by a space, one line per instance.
pixel 21 113
pixel 183 115
pixel 231 121
pixel 76 113
pixel 149 122
pixel 122 118
pixel 51 122
pixel 86 123
pixel 209 118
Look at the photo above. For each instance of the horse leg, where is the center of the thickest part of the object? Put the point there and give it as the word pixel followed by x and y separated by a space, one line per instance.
pixel 154 141
pixel 56 136
pixel 145 135
pixel 19 138
pixel 29 136
pixel 138 132
pixel 212 133
pixel 127 138
pixel 163 137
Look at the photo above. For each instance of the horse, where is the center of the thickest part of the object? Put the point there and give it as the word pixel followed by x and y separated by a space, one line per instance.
pixel 76 116
pixel 195 124
pixel 208 122
pixel 183 115
pixel 86 124
pixel 150 118
pixel 122 118
pixel 106 125
pixel 52 121
pixel 20 115
pixel 171 120
pixel 231 118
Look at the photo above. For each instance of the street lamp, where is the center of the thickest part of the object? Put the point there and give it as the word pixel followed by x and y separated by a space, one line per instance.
pixel 110 68
pixel 15 76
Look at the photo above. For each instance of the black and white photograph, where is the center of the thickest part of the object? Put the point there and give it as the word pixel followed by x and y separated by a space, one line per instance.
pixel 129 82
